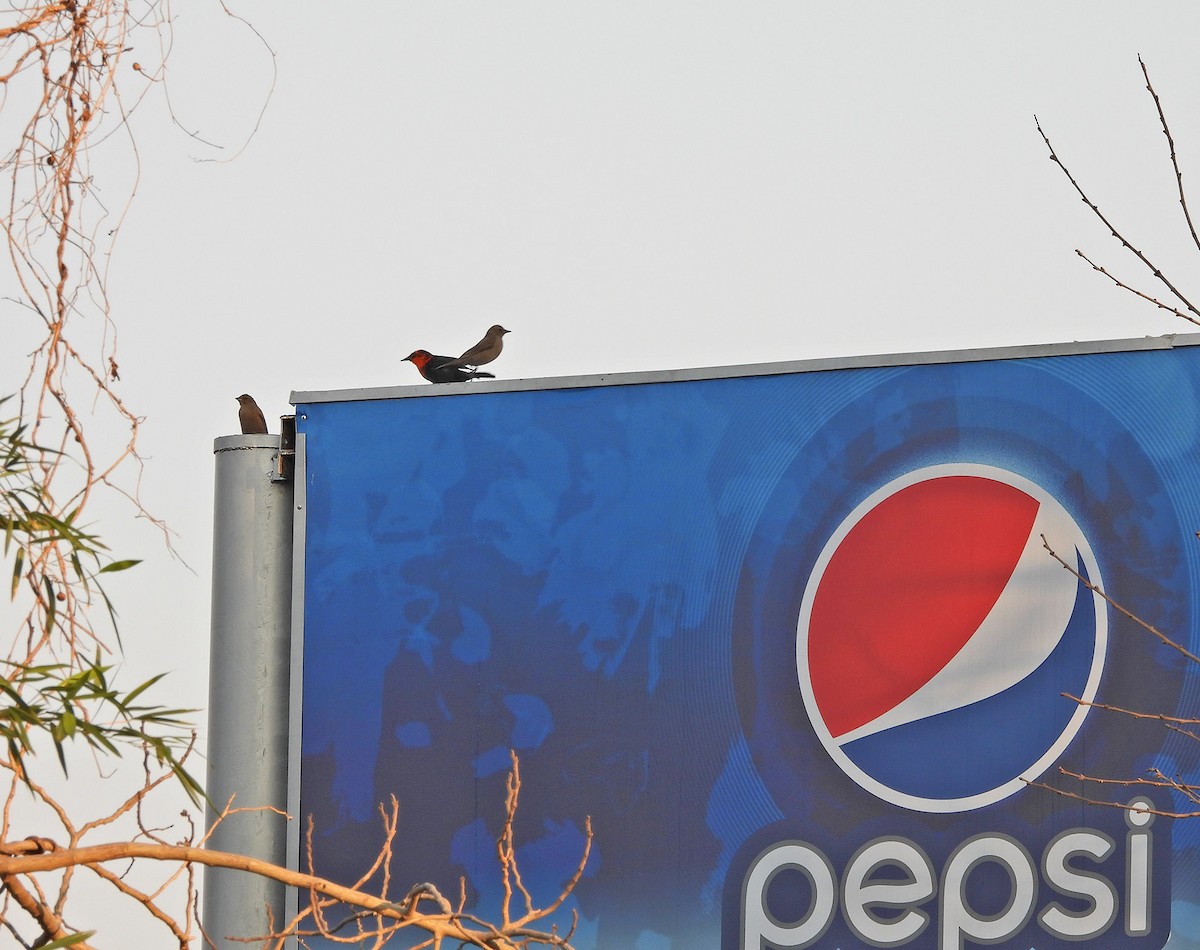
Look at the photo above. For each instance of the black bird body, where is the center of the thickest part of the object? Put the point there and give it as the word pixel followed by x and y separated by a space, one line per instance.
pixel 443 369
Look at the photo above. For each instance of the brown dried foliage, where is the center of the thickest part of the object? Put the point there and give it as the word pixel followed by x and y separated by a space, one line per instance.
pixel 68 86
pixel 366 918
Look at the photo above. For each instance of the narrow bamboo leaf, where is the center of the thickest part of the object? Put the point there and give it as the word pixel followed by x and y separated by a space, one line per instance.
pixel 119 566
pixel 51 602
pixel 62 757
pixel 138 690
pixel 70 941
pixel 190 785
pixel 18 568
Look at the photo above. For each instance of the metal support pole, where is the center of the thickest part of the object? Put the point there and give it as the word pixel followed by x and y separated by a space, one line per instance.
pixel 248 678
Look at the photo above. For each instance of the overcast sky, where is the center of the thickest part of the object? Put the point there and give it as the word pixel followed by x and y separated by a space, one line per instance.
pixel 625 186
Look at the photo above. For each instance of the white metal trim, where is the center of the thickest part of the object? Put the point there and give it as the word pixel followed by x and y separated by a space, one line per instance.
pixel 1166 342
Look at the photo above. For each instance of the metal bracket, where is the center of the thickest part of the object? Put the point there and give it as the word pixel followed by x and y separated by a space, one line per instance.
pixel 285 460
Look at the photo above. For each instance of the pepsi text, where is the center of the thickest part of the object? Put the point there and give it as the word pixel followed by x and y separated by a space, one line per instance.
pixel 1105 883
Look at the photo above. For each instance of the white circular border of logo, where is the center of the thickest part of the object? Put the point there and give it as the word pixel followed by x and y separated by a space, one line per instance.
pixel 981 799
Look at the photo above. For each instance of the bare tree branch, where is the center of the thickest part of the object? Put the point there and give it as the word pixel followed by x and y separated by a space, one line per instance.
pixel 1174 723
pixel 374 920
pixel 1104 803
pixel 1095 209
pixel 51 924
pixel 1137 293
pixel 1162 118
pixel 1120 609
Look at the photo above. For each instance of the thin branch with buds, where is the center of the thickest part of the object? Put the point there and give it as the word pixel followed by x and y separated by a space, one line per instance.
pixel 1104 803
pixel 1162 119
pixel 1173 724
pixel 1193 314
pixel 1124 611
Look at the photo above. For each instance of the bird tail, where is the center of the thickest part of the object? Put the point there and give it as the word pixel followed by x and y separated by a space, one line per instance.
pixel 480 374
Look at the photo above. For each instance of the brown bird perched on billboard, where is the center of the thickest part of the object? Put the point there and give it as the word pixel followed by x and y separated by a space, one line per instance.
pixel 439 369
pixel 485 350
pixel 250 416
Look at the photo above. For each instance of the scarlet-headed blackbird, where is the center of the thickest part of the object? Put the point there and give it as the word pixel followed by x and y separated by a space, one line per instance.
pixel 437 369
pixel 485 350
pixel 250 416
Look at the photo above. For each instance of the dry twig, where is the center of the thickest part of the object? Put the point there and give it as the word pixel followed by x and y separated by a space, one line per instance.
pixel 1193 314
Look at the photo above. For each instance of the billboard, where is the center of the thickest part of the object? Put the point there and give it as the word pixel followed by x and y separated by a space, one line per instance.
pixel 797 637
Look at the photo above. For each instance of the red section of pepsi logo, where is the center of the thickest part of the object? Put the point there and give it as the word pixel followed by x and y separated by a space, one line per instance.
pixel 937 637
pixel 907 588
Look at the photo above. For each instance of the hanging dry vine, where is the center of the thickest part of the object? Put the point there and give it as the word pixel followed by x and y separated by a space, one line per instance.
pixel 71 75
pixel 69 84
pixel 61 67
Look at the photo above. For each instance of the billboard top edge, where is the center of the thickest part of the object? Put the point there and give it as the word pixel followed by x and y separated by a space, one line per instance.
pixel 1164 342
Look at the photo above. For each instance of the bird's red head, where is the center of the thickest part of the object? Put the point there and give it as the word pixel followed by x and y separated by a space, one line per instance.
pixel 419 357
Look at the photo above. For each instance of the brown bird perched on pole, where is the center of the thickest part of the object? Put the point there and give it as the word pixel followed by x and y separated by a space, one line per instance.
pixel 485 350
pixel 442 369
pixel 250 416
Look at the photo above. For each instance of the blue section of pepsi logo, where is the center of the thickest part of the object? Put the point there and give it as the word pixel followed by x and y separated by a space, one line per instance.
pixel 961 753
pixel 608 582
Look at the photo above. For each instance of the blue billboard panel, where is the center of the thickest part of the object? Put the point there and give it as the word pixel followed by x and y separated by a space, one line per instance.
pixel 797 641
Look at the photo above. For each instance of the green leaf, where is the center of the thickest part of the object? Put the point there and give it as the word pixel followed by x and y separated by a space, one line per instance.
pixel 68 941
pixel 70 702
pixel 58 748
pixel 138 690
pixel 51 602
pixel 119 566
pixel 190 785
pixel 18 568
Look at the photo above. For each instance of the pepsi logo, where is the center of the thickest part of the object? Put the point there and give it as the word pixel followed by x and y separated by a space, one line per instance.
pixel 937 635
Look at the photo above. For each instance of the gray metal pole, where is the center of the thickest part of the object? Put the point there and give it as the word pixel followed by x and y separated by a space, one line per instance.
pixel 248 678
